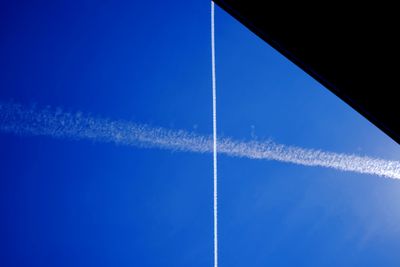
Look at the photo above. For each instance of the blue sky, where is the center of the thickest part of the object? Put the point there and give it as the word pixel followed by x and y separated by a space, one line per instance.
pixel 85 203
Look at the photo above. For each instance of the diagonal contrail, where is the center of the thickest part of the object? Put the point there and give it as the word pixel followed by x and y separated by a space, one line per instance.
pixel 20 120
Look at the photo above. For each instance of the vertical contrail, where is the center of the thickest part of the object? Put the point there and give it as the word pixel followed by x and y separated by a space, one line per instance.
pixel 214 105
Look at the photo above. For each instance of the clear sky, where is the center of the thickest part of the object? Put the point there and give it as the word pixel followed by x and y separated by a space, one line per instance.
pixel 86 203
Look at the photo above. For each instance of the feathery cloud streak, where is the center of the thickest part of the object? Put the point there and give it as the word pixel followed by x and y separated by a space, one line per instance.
pixel 20 120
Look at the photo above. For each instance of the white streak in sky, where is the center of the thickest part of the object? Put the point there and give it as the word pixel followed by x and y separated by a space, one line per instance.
pixel 214 105
pixel 19 120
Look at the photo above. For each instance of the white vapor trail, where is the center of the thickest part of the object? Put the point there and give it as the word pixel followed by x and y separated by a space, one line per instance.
pixel 16 119
pixel 214 105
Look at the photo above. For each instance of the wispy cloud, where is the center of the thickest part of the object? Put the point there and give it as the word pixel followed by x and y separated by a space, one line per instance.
pixel 20 120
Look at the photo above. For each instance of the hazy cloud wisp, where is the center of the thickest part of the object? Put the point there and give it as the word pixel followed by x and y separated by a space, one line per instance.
pixel 17 119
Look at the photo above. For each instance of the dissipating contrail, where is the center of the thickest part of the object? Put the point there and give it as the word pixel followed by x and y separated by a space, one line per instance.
pixel 31 121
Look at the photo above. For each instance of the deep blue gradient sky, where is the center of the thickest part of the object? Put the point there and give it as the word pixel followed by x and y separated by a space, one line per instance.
pixel 83 203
